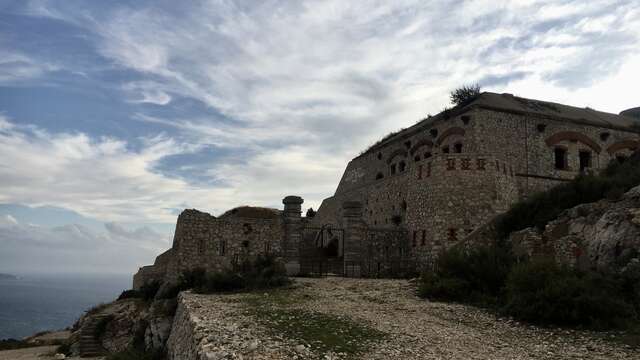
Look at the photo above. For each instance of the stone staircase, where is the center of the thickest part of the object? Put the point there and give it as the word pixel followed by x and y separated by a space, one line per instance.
pixel 89 338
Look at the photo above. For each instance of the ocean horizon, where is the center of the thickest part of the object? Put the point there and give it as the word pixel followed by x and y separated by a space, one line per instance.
pixel 43 302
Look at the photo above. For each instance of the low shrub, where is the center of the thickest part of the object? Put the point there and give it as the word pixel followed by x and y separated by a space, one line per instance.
pixel 263 272
pixel 475 276
pixel 12 344
pixel 542 292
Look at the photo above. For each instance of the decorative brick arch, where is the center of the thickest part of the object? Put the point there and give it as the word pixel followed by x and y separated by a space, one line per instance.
pixel 450 131
pixel 400 152
pixel 625 144
pixel 419 144
pixel 575 136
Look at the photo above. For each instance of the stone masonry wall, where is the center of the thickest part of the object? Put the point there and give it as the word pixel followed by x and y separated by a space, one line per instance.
pixel 202 241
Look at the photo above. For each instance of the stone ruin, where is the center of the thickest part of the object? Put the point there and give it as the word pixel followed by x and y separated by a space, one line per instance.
pixel 414 193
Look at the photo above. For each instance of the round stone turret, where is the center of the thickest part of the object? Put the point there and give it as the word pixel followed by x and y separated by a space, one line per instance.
pixel 292 205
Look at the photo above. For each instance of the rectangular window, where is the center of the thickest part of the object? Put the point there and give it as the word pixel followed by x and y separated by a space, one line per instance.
pixel 223 248
pixel 393 169
pixel 424 238
pixel 585 160
pixel 419 172
pixel 414 242
pixel 560 155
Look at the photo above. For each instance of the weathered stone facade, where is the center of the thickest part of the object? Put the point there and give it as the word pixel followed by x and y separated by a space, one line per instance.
pixel 449 174
pixel 436 183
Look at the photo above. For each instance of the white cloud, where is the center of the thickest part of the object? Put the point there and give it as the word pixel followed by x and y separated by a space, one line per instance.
pixel 303 87
pixel 16 67
pixel 147 92
pixel 7 220
pixel 78 249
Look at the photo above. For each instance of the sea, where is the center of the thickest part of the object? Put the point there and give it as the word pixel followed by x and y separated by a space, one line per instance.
pixel 34 303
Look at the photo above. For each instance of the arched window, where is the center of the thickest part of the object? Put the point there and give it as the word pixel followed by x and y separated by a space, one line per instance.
pixel 457 148
pixel 402 166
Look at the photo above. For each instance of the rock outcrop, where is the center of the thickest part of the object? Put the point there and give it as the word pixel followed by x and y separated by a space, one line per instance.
pixel 604 235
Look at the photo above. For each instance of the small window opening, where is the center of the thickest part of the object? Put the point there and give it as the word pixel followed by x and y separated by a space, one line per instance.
pixel 621 158
pixel 560 155
pixel 433 132
pixel 445 150
pixel 402 166
pixel 407 144
pixel 541 127
pixel 223 248
pixel 379 176
pixel 245 244
pixel 393 169
pixel 427 155
pixel 423 240
pixel 457 148
pixel 585 160
pixel 465 119
pixel 416 158
pixel 604 136
pixel 379 156
pixel 414 242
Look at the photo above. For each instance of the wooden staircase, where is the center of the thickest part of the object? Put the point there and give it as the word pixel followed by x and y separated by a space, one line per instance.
pixel 89 338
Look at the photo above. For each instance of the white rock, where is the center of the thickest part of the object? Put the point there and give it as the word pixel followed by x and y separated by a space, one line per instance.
pixel 59 356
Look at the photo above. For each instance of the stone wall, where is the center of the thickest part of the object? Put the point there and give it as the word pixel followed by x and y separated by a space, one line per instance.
pixel 184 341
pixel 428 180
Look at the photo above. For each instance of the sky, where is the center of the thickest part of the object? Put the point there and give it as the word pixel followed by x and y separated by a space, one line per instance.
pixel 117 115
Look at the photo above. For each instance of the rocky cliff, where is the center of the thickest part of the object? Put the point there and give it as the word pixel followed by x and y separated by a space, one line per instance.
pixel 604 235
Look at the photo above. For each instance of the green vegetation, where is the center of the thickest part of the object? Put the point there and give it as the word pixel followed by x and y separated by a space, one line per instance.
pixel 464 95
pixel 263 272
pixel 541 291
pixel 147 292
pixel 323 332
pixel 538 290
pixel 543 207
pixel 13 344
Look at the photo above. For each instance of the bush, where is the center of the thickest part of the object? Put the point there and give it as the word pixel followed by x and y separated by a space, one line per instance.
pixel 135 354
pixel 542 292
pixel 543 207
pixel 464 95
pixel 476 276
pixel 12 344
pixel 263 272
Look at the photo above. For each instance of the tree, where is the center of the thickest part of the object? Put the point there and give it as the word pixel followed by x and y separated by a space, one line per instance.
pixel 311 213
pixel 465 94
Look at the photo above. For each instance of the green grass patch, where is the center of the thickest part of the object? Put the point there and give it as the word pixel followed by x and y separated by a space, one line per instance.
pixel 323 332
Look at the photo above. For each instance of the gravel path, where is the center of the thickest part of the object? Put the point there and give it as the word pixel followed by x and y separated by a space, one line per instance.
pixel 414 328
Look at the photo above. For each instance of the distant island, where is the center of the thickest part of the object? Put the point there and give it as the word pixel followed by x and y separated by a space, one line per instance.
pixel 8 277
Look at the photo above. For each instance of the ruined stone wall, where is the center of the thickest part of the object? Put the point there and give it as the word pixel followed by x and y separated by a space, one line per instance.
pixel 203 241
pixel 155 272
pixel 184 341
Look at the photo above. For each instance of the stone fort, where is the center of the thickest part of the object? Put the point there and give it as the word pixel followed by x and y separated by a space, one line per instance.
pixel 414 193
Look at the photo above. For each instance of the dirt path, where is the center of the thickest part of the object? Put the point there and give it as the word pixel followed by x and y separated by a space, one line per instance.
pixel 413 328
